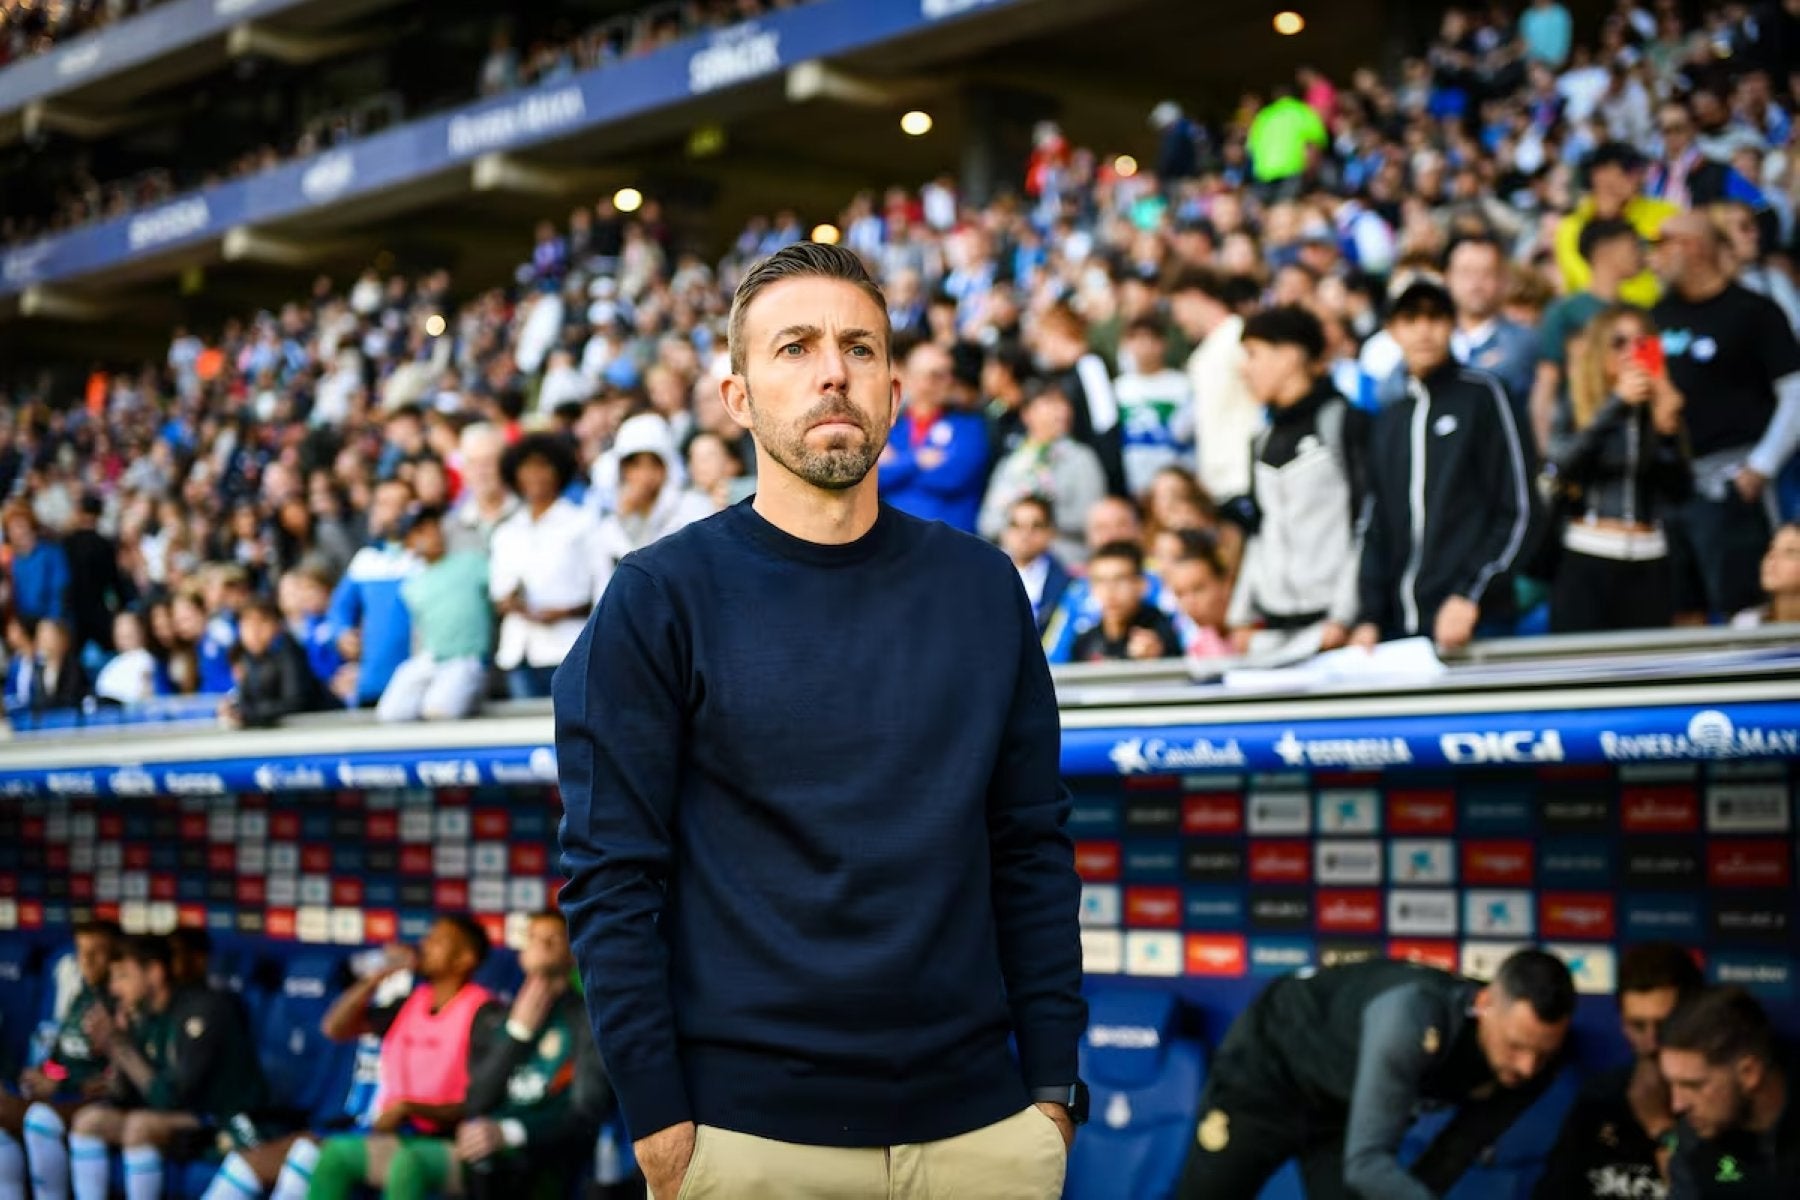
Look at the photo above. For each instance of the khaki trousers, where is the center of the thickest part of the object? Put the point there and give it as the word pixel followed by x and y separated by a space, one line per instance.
pixel 1020 1158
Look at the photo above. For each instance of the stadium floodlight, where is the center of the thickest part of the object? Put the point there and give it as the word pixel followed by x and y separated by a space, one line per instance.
pixel 825 233
pixel 628 199
pixel 1288 22
pixel 916 123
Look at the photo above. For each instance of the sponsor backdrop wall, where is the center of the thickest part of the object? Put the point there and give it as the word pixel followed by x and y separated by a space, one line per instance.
pixel 1208 854
pixel 345 867
pixel 1215 875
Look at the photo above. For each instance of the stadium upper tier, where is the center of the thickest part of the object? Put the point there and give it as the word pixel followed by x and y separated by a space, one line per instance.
pixel 169 43
pixel 464 149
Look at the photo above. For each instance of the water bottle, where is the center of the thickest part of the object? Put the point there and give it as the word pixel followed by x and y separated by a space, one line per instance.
pixel 365 963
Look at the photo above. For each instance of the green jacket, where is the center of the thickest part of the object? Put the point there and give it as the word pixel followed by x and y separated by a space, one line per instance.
pixel 552 1085
pixel 202 1056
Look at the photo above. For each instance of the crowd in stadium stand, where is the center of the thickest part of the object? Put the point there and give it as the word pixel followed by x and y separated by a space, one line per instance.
pixel 84 198
pixel 616 39
pixel 30 27
pixel 1502 346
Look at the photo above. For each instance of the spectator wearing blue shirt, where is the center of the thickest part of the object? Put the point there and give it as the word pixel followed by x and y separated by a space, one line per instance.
pixel 403 439
pixel 226 591
pixel 550 256
pixel 366 613
pixel 304 595
pixel 40 569
pixel 935 467
pixel 1475 273
pixel 205 636
pixel 1111 520
pixel 1547 32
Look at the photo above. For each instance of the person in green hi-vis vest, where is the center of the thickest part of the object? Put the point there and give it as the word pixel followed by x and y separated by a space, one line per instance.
pixel 1284 137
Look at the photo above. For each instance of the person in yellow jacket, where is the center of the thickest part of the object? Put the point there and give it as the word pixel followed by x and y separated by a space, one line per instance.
pixel 1615 175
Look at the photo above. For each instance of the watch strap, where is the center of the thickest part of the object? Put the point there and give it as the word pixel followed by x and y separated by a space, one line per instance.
pixel 1072 1096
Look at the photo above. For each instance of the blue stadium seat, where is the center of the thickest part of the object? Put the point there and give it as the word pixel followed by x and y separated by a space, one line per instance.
pixel 49 969
pixel 1144 1082
pixel 20 1000
pixel 500 974
pixel 1285 1185
pixel 307 1073
pixel 248 976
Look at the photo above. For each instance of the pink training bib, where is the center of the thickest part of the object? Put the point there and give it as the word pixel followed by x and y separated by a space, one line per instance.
pixel 425 1055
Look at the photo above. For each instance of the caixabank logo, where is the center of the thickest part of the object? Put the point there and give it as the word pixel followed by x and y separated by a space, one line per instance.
pixel 1145 755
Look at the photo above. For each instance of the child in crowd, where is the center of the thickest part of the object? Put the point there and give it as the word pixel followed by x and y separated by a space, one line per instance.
pixel 274 679
pixel 304 596
pixel 1780 582
pixel 135 674
pixel 1129 626
pixel 1201 584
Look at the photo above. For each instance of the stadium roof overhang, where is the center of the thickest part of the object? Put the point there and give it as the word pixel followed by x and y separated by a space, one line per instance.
pixel 99 83
pixel 781 128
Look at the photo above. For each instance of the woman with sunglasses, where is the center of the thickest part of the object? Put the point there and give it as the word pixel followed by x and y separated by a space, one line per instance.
pixel 1627 464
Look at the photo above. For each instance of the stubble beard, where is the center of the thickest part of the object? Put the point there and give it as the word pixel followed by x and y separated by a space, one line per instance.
pixel 841 465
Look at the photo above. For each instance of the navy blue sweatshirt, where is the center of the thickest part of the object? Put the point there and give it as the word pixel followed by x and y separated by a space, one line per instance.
pixel 813 833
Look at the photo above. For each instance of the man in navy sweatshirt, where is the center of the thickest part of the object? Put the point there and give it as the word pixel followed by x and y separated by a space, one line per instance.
pixel 818 873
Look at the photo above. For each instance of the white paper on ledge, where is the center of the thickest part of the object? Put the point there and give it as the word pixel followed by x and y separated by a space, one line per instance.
pixel 1408 658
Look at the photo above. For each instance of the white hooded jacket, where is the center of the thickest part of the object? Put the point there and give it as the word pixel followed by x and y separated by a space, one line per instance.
pixel 676 505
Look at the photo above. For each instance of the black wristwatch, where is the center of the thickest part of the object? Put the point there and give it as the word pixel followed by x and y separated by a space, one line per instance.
pixel 1073 1097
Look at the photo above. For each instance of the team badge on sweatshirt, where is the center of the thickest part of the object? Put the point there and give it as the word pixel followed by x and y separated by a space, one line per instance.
pixel 1215 1132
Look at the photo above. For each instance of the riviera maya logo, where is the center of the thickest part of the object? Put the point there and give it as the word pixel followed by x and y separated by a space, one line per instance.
pixel 1709 734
